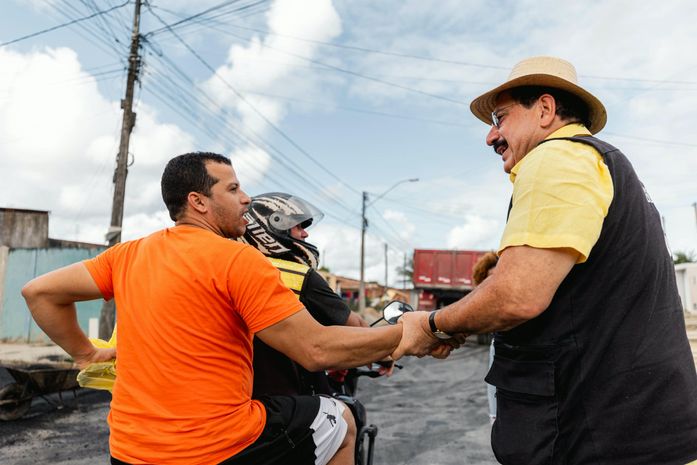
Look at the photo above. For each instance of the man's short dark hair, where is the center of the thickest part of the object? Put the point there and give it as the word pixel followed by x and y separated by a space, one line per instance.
pixel 570 108
pixel 187 173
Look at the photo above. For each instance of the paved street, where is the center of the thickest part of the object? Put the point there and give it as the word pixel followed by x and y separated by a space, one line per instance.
pixel 433 412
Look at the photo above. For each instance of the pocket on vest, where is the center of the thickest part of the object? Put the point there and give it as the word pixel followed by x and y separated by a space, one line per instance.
pixel 526 420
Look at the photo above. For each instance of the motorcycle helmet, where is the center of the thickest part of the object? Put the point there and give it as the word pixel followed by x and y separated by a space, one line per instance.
pixel 270 218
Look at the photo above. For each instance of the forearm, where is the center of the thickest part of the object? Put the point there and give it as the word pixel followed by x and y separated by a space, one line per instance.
pixel 524 284
pixel 484 310
pixel 59 322
pixel 51 299
pixel 347 347
pixel 355 320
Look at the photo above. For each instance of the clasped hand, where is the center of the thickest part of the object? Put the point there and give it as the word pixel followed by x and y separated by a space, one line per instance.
pixel 417 338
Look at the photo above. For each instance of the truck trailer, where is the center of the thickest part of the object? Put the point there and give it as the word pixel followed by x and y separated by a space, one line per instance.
pixel 442 277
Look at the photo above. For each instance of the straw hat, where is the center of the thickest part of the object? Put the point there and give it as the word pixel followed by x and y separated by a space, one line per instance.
pixel 542 71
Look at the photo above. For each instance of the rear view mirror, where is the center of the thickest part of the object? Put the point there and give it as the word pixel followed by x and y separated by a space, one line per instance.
pixel 394 310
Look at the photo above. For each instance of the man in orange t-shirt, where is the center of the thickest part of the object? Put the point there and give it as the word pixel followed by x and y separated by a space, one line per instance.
pixel 189 303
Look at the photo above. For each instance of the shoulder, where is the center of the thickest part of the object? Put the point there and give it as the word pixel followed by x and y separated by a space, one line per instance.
pixel 560 161
pixel 288 266
pixel 562 154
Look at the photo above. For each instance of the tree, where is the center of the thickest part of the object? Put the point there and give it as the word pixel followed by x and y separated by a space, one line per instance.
pixel 406 272
pixel 684 257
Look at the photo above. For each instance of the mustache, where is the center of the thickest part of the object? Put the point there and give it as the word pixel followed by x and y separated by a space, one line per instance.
pixel 498 143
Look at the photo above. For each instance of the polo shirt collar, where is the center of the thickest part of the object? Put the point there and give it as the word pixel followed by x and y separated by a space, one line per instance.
pixel 570 130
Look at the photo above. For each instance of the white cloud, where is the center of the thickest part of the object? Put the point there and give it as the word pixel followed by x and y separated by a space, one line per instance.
pixel 262 67
pixel 340 248
pixel 400 224
pixel 250 163
pixel 475 234
pixel 60 136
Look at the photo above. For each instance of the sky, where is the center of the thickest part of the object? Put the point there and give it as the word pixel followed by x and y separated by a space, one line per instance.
pixel 328 99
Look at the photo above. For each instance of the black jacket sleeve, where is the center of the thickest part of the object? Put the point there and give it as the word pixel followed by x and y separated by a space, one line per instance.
pixel 322 302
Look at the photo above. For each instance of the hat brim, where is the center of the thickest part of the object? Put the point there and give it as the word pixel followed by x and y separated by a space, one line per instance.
pixel 483 105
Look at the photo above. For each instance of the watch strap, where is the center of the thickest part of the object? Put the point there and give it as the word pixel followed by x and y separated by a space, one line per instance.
pixel 432 321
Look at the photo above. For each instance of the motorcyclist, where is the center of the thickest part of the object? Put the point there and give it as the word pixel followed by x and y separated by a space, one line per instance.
pixel 277 224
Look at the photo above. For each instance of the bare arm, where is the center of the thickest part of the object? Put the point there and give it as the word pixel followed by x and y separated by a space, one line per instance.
pixel 354 319
pixel 522 287
pixel 51 299
pixel 317 347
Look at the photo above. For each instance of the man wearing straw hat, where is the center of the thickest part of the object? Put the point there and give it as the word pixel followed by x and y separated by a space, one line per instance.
pixel 592 361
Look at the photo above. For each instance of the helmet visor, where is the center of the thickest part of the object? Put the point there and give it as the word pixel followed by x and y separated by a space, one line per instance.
pixel 296 212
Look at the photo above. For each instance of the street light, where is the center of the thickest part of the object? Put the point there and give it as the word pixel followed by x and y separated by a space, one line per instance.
pixel 364 226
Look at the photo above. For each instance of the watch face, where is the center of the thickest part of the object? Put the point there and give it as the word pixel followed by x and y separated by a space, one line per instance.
pixel 442 335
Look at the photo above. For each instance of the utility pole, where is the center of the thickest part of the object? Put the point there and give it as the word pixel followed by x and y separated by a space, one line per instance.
pixel 361 286
pixel 364 225
pixel 108 313
pixel 694 205
pixel 385 291
pixel 404 277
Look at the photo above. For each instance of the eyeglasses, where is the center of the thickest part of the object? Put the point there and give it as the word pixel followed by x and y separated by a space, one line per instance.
pixel 496 119
pixel 306 224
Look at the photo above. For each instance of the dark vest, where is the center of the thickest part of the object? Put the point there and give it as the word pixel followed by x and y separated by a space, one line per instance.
pixel 605 374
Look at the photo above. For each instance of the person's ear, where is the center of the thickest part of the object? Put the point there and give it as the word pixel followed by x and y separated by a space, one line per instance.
pixel 198 202
pixel 547 110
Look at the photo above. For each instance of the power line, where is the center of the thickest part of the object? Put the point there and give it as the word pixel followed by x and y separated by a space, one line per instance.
pixel 92 6
pixel 347 71
pixel 433 59
pixel 60 26
pixel 656 141
pixel 86 31
pixel 362 110
pixel 363 49
pixel 202 13
pixel 256 111
pixel 248 9
pixel 179 92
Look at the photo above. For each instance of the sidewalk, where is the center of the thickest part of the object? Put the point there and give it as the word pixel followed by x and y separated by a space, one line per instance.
pixel 32 353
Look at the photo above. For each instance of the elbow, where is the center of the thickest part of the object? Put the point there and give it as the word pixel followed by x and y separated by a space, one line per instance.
pixel 522 313
pixel 315 359
pixel 518 311
pixel 30 292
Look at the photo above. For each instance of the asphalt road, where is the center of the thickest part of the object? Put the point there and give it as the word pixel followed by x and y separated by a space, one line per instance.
pixel 432 412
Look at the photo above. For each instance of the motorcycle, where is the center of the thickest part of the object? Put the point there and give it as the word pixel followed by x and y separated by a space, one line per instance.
pixel 345 383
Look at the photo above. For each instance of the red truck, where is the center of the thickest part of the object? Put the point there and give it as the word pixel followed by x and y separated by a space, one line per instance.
pixel 442 277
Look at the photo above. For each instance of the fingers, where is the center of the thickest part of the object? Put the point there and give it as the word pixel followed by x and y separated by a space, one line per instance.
pixel 417 338
pixel 96 356
pixel 442 351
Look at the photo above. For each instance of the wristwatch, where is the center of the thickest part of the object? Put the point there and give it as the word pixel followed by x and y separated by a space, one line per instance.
pixel 434 329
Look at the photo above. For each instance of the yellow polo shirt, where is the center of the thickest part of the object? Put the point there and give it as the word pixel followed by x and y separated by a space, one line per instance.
pixel 561 194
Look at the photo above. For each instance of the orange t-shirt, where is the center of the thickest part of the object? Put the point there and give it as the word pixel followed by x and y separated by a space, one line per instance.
pixel 188 304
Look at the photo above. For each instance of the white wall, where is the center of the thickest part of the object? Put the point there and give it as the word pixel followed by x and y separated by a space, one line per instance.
pixel 686 277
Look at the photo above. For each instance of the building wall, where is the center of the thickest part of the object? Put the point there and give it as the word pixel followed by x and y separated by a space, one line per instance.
pixel 20 266
pixel 686 278
pixel 4 252
pixel 23 228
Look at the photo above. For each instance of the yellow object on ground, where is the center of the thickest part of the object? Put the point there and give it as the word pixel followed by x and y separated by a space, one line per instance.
pixel 103 374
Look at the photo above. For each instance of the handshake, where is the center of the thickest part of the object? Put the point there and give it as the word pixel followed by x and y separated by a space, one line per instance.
pixel 420 336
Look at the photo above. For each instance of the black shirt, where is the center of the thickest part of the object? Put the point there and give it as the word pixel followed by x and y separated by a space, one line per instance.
pixel 276 374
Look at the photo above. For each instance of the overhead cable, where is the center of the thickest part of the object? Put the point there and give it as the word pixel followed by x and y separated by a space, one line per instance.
pixel 60 26
pixel 256 111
